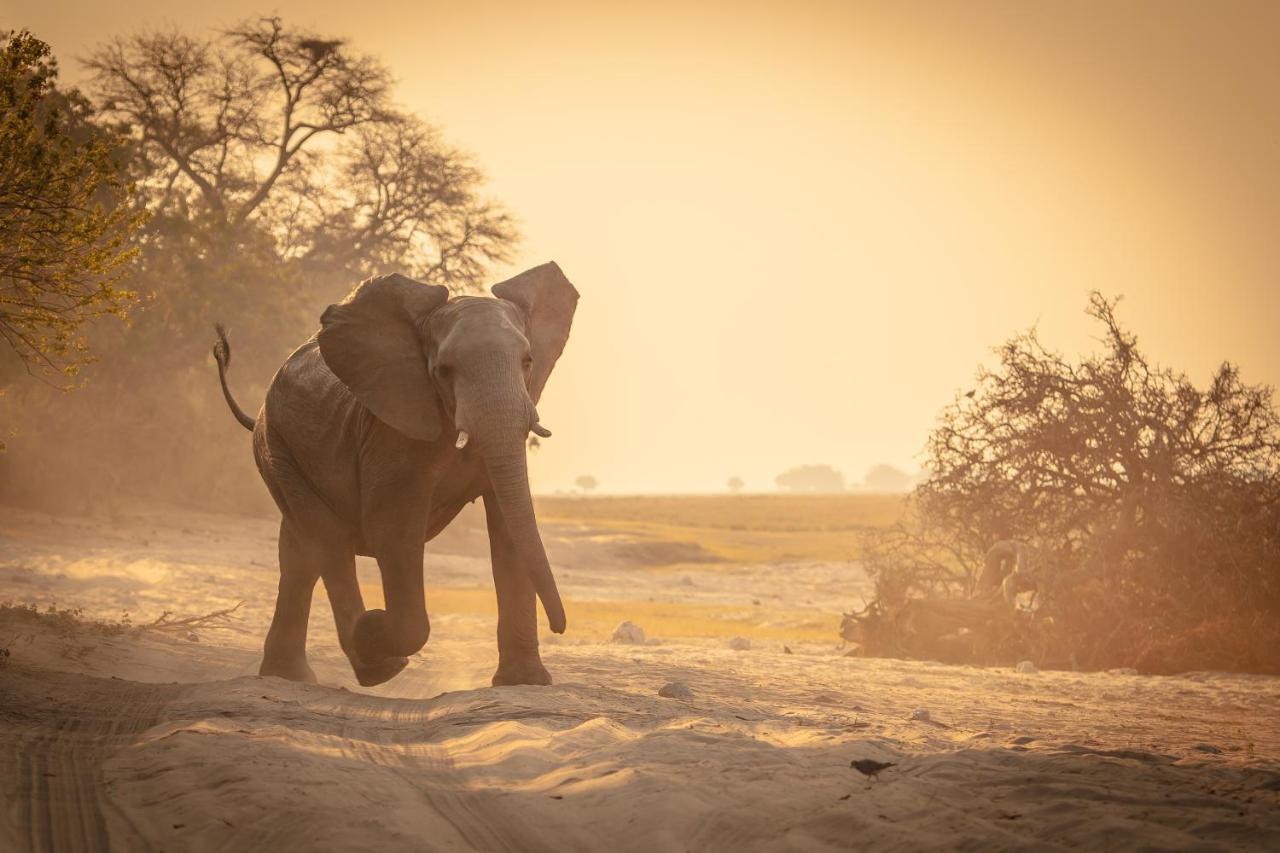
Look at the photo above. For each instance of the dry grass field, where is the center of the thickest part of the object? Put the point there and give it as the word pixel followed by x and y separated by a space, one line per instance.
pixel 738 528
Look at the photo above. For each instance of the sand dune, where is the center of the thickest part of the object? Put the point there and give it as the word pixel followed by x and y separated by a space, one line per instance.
pixel 147 741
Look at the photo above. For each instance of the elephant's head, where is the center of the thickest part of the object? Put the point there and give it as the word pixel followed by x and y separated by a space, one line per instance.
pixel 468 372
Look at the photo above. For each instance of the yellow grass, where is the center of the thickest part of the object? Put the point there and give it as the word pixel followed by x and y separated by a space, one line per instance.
pixel 734 512
pixel 738 528
pixel 595 620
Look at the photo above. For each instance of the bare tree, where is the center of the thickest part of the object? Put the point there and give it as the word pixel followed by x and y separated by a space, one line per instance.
pixel 735 484
pixel 586 482
pixel 298 135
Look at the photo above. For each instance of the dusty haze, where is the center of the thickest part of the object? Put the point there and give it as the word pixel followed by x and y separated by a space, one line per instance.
pixel 799 229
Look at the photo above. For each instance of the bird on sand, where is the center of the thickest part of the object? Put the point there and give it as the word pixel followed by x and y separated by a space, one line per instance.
pixel 870 767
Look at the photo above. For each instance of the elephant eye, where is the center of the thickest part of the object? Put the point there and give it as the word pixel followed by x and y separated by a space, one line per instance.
pixel 443 371
pixel 528 361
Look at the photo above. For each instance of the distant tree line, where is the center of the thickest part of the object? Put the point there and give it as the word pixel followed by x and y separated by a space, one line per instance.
pixel 811 478
pixel 826 479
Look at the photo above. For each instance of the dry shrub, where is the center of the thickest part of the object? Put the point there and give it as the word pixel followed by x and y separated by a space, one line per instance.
pixel 1152 508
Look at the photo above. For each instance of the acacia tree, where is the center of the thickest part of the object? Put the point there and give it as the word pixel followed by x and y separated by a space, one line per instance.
pixel 279 172
pixel 297 134
pixel 1153 506
pixel 66 221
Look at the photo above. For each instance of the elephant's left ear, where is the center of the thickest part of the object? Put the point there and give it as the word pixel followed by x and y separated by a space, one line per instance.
pixel 373 342
pixel 549 302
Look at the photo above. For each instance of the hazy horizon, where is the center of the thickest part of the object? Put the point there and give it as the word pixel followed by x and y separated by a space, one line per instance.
pixel 799 230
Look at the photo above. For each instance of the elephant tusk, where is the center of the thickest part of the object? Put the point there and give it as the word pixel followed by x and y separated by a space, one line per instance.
pixel 462 439
pixel 540 430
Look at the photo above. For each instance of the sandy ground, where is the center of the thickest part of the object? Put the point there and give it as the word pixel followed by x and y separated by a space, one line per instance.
pixel 157 741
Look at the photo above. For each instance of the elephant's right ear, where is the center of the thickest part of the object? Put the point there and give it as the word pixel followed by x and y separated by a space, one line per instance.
pixel 372 341
pixel 548 301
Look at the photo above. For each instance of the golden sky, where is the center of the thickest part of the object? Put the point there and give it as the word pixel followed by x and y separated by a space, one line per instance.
pixel 798 227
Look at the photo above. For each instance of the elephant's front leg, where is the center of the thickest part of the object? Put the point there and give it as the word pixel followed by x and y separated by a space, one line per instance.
pixel 518 658
pixel 347 604
pixel 402 628
pixel 395 497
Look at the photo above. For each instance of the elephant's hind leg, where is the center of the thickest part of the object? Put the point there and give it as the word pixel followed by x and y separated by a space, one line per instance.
pixel 285 651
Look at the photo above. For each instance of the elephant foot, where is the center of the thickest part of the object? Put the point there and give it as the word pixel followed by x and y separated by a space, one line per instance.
pixel 371 636
pixel 295 669
pixel 526 671
pixel 374 674
pixel 374 636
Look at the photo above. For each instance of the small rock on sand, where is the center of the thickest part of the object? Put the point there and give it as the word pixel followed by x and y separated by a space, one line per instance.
pixel 675 690
pixel 922 714
pixel 628 632
pixel 1207 747
pixel 740 644
pixel 1026 667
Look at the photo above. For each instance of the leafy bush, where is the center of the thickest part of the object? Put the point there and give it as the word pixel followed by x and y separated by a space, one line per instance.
pixel 66 217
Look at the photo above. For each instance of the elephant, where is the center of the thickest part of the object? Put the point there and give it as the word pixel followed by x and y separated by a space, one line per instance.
pixel 406 405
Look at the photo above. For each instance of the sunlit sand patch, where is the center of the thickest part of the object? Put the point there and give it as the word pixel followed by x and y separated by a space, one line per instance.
pixel 145 570
pixel 594 621
pixel 515 741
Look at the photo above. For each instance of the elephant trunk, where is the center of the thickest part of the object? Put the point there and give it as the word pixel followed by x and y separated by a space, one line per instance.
pixel 509 473
pixel 495 414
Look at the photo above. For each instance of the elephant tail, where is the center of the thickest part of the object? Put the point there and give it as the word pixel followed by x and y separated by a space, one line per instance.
pixel 222 355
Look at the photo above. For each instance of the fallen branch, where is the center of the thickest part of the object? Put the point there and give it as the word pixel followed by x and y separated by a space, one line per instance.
pixel 164 623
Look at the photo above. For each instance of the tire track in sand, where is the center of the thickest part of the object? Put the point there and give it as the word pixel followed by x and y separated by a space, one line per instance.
pixel 59 729
pixel 59 734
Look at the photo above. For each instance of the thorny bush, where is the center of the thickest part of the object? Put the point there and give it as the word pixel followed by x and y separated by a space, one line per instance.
pixel 1152 508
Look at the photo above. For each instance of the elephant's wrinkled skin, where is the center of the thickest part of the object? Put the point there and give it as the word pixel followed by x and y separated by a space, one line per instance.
pixel 358 444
